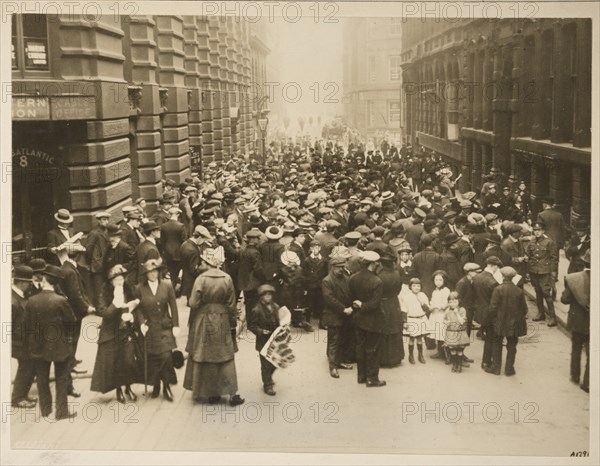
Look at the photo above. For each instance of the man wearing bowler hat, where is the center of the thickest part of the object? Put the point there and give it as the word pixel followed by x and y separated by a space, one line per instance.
pixel 21 282
pixel 50 314
pixel 366 291
pixel 542 254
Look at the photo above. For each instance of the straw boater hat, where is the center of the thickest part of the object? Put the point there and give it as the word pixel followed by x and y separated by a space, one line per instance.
pixel 274 233
pixel 290 258
pixel 63 216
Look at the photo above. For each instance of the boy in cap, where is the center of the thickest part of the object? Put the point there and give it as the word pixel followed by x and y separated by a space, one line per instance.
pixel 264 320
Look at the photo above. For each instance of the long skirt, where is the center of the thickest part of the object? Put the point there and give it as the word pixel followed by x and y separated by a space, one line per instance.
pixel 391 350
pixel 118 363
pixel 160 368
pixel 207 379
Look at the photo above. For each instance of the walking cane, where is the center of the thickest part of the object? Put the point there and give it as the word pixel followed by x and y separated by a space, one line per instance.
pixel 145 368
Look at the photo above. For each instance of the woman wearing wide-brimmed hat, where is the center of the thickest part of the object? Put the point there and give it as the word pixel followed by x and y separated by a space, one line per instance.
pixel 158 320
pixel 210 371
pixel 117 363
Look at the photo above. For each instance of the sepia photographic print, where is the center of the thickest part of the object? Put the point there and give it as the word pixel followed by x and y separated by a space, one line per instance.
pixel 299 232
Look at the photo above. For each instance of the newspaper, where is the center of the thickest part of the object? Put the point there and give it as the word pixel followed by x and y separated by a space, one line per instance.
pixel 277 349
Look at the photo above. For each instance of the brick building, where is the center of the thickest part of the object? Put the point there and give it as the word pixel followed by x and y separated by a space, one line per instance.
pixel 515 95
pixel 102 111
pixel 372 77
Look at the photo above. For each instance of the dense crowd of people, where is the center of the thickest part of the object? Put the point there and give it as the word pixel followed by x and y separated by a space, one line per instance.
pixel 377 246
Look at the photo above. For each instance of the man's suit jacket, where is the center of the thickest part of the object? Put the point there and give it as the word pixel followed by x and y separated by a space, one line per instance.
pixel 18 333
pixel 251 273
pixel 75 290
pixel 145 251
pixel 483 284
pixel 367 287
pixel 172 236
pixel 97 245
pixel 50 317
pixel 554 226
pixel 122 254
pixel 129 235
pixel 577 295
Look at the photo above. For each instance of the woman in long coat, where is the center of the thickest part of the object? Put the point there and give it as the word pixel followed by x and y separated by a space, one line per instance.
pixel 159 327
pixel 210 371
pixel 116 363
pixel 392 343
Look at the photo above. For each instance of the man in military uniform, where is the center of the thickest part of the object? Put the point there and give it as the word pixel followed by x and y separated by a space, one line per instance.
pixel 543 270
pixel 366 290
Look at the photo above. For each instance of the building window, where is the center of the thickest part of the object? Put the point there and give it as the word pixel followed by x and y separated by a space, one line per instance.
pixel 395 70
pixel 372 65
pixel 394 112
pixel 395 26
pixel 30 43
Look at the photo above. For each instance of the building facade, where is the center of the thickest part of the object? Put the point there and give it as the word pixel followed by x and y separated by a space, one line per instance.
pixel 509 94
pixel 103 111
pixel 372 77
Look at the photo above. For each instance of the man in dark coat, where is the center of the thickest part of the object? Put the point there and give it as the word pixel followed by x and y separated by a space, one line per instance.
pixel 96 246
pixel 57 236
pixel 22 278
pixel 494 249
pixel 270 253
pixel 553 221
pixel 119 252
pixel 251 273
pixel 466 292
pixel 130 229
pixel 542 254
pixel 366 290
pixel 484 284
pixel 513 247
pixel 337 308
pixel 74 289
pixel 50 314
pixel 508 310
pixel 172 236
pixel 578 246
pixel 577 295
pixel 148 249
pixel 425 263
pixel 191 263
pixel 162 214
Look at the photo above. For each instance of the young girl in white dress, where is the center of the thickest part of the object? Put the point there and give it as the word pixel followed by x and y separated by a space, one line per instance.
pixel 438 305
pixel 416 306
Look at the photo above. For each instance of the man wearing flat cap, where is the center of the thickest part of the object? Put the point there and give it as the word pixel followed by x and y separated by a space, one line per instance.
pixel 172 235
pixel 148 249
pixel 130 229
pixel 96 246
pixel 484 284
pixel 340 215
pixel 366 292
pixel 508 309
pixel 337 307
pixel 251 272
pixel 513 247
pixel 542 255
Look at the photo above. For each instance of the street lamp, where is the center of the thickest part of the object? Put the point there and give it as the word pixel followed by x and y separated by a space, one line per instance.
pixel 262 124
